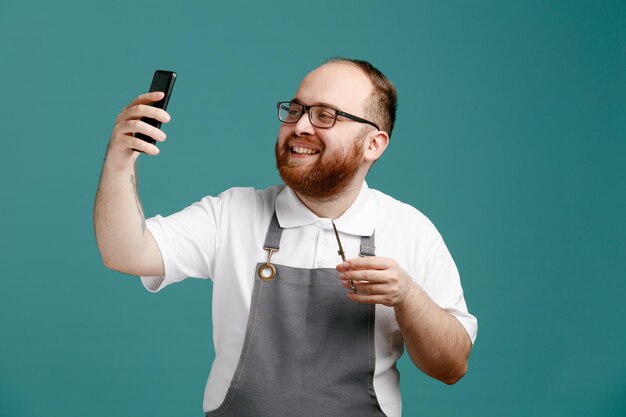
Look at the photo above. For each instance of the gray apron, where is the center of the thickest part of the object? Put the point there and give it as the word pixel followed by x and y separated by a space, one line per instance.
pixel 308 350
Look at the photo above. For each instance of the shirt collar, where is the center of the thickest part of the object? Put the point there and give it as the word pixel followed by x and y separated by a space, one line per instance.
pixel 359 219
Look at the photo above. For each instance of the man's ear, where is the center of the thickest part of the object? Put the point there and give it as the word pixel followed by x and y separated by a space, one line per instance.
pixel 375 145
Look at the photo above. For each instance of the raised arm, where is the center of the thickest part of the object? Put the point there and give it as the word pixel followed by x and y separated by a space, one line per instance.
pixel 125 243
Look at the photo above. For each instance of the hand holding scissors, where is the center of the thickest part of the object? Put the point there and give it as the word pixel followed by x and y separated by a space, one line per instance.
pixel 379 280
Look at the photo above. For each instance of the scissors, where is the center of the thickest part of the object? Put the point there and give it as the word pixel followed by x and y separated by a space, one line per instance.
pixel 342 253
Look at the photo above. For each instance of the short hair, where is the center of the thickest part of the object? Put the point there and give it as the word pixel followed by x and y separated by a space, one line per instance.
pixel 383 102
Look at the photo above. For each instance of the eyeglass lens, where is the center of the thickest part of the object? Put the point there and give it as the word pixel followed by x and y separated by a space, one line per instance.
pixel 319 116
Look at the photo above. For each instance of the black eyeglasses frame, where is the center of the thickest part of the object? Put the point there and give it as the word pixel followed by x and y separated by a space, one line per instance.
pixel 306 109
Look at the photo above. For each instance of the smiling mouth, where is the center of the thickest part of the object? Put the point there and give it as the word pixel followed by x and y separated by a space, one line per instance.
pixel 299 150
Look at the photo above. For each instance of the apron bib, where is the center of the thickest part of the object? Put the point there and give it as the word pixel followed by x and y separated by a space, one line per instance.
pixel 308 350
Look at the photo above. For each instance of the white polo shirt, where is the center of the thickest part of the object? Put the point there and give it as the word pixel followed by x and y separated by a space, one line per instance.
pixel 222 238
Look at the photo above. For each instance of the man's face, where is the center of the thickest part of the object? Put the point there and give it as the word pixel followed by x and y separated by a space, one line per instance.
pixel 320 163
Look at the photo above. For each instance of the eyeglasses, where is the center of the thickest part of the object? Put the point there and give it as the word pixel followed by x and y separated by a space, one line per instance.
pixel 320 116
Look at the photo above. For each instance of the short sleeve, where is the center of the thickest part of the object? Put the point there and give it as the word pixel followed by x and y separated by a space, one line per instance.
pixel 443 285
pixel 188 241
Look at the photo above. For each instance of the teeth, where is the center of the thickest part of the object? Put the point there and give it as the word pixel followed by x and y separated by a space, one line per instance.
pixel 301 150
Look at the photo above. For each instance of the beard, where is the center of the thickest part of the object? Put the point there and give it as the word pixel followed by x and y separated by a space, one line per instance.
pixel 327 177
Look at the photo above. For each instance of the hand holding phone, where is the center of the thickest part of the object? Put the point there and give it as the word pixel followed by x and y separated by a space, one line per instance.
pixel 161 81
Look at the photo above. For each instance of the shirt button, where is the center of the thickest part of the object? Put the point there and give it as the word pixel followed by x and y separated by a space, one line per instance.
pixel 323 242
pixel 320 264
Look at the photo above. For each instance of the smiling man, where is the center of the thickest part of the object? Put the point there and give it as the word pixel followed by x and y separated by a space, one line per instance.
pixel 298 331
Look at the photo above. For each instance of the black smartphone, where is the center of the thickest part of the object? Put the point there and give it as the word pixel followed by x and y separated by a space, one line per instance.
pixel 161 81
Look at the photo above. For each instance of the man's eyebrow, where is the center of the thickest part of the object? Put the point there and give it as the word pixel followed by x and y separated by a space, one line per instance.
pixel 298 101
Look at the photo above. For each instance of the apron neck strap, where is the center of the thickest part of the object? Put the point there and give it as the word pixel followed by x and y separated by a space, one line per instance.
pixel 367 245
pixel 274 232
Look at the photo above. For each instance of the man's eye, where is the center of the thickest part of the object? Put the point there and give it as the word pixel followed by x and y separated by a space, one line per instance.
pixel 294 110
pixel 326 116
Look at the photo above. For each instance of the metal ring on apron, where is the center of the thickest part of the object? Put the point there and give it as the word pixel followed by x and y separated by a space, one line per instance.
pixel 263 268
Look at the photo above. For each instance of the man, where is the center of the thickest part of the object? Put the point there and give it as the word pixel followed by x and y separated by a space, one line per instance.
pixel 298 331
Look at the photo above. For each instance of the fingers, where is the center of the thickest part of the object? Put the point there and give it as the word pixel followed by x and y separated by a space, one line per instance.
pixel 138 111
pixel 392 293
pixel 369 275
pixel 366 287
pixel 137 144
pixel 146 99
pixel 130 127
pixel 368 293
pixel 368 262
pixel 123 144
pixel 129 121
pixel 377 280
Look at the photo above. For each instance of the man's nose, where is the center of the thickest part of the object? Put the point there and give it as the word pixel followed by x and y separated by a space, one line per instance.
pixel 304 126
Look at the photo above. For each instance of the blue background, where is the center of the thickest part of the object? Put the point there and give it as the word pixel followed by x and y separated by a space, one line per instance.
pixel 510 137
